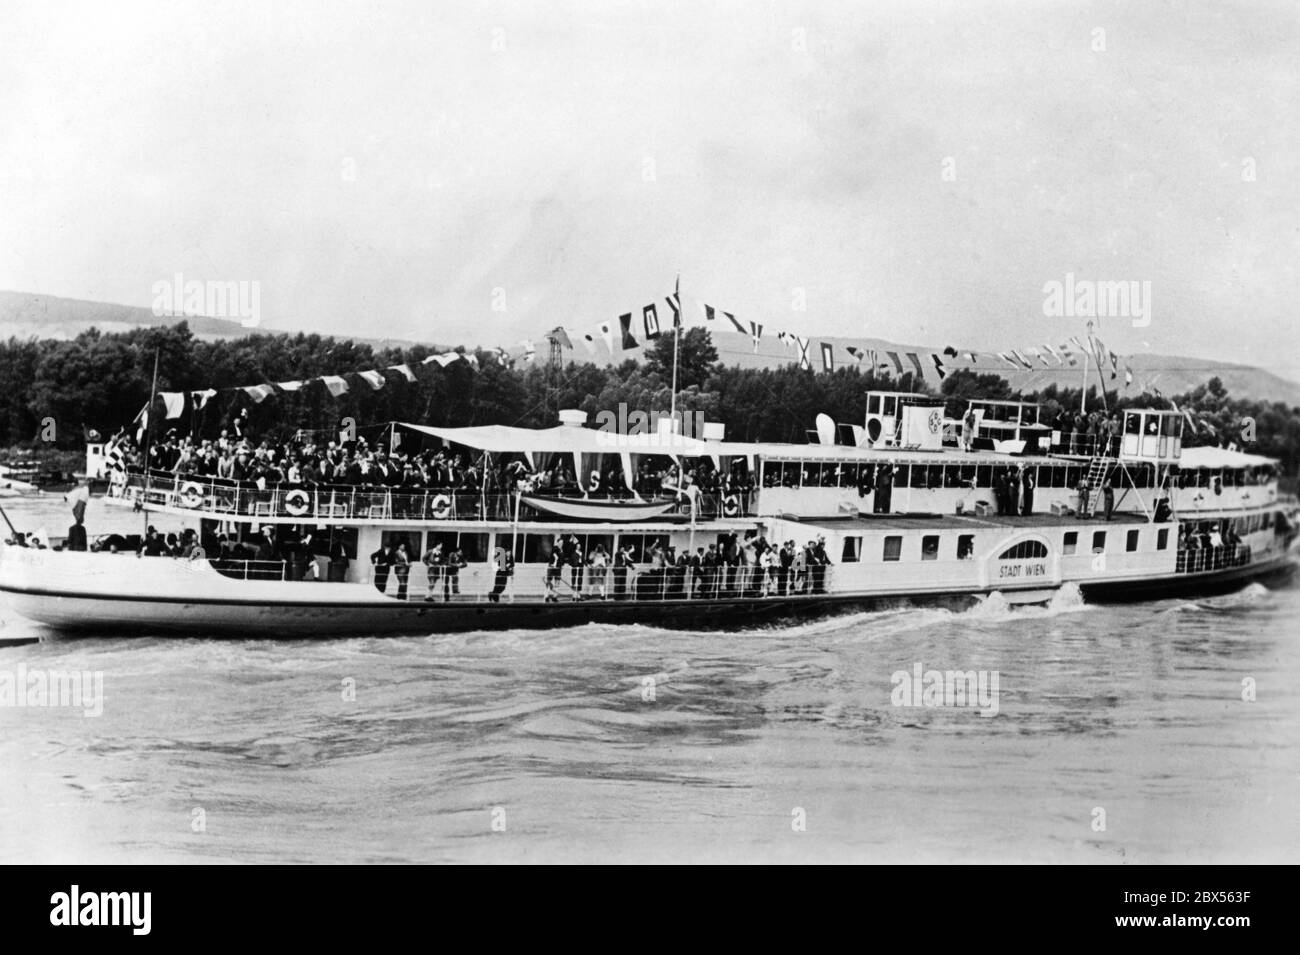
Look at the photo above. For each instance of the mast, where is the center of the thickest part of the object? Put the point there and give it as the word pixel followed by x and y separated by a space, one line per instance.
pixel 1083 386
pixel 148 441
pixel 677 337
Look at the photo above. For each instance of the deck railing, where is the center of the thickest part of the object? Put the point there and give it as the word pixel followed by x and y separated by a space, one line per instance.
pixel 1196 560
pixel 322 503
pixel 476 582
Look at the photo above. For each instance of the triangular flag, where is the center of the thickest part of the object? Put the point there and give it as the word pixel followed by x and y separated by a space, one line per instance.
pixel 828 357
pixel 709 314
pixel 970 356
pixel 915 360
pixel 1008 359
pixel 675 303
pixel 1128 376
pixel 755 332
pixel 739 327
pixel 898 362
pixel 625 322
pixel 651 319
pixel 950 352
pixel 607 333
pixel 855 352
pixel 803 352
pixel 561 338
pixel 335 384
pixel 404 371
pixel 289 385
pixel 258 393
pixel 374 379
pixel 938 366
pixel 588 343
pixel 201 398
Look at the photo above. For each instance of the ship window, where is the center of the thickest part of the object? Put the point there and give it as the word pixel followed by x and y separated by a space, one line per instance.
pixel 1098 542
pixel 934 476
pixel 1162 539
pixel 901 475
pixel 830 474
pixel 848 475
pixel 1132 423
pixel 474 547
pixel 812 476
pixel 889 407
pixel 893 547
pixel 852 550
pixel 789 473
pixel 348 535
pixel 1071 542
pixel 967 475
pixel 985 476
pixel 930 547
pixel 1072 476
pixel 952 476
pixel 1268 520
pixel 1056 474
pixel 1131 543
pixel 918 476
pixel 965 546
pixel 873 404
pixel 1025 550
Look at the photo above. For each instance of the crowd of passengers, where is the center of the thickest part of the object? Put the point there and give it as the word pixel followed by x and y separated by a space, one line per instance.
pixel 304 462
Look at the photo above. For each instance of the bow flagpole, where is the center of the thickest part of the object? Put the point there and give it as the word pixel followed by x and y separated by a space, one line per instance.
pixel 677 337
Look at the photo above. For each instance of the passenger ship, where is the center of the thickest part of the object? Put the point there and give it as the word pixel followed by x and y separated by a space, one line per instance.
pixel 904 506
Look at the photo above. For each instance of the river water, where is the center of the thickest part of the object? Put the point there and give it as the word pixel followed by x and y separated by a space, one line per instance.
pixel 1120 736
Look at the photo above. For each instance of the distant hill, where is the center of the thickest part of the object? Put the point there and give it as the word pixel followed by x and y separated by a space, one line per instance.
pixel 25 315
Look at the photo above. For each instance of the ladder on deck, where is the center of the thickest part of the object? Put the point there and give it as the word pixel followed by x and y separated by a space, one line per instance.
pixel 1097 468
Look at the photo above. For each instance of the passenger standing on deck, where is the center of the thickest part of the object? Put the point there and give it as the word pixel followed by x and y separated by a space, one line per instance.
pixel 1108 495
pixel 381 560
pixel 711 564
pixel 451 578
pixel 884 488
pixel 401 567
pixel 821 560
pixel 1027 483
pixel 599 562
pixel 1083 496
pixel 434 569
pixel 786 569
pixel 503 567
pixel 968 429
pixel 1013 492
pixel 554 574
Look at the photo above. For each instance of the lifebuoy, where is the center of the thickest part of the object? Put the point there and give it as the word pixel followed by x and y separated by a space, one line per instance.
pixel 191 495
pixel 440 506
pixel 730 505
pixel 297 502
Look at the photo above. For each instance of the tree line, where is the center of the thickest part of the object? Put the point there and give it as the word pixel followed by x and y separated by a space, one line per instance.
pixel 100 381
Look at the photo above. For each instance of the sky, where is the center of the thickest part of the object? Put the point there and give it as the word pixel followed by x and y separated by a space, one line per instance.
pixel 478 173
